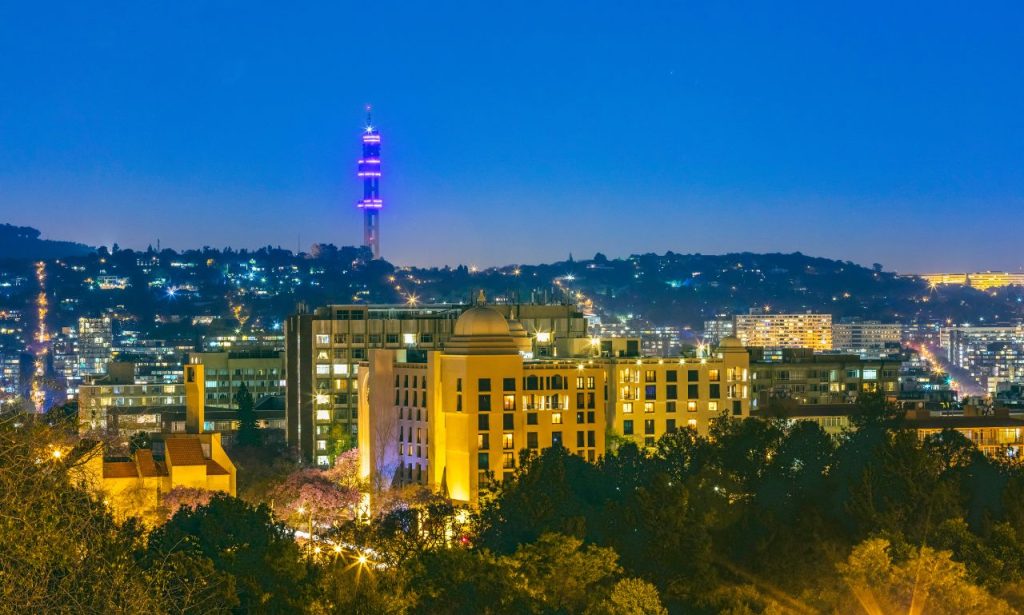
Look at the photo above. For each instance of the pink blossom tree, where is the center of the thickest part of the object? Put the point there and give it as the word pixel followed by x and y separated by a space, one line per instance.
pixel 180 497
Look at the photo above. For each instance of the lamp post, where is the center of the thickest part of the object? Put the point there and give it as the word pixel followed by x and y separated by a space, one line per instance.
pixel 309 541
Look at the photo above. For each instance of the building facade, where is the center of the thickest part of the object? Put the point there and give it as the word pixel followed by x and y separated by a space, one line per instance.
pixel 866 337
pixel 992 355
pixel 809 378
pixel 457 418
pixel 136 487
pixel 324 349
pixel 95 346
pixel 813 331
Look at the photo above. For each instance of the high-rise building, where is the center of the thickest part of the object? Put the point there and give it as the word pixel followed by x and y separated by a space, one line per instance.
pixel 718 329
pixel 981 280
pixel 866 337
pixel 453 419
pixel 992 355
pixel 325 348
pixel 10 375
pixel 764 330
pixel 369 172
pixel 95 346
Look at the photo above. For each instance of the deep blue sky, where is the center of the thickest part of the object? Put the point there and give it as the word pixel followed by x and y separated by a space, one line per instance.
pixel 522 131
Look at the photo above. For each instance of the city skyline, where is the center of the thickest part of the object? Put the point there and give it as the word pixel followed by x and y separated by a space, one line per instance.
pixel 840 137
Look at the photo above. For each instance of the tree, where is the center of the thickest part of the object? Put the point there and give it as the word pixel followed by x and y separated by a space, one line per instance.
pixel 631 597
pixel 185 497
pixel 139 440
pixel 314 493
pixel 927 581
pixel 61 551
pixel 248 433
pixel 242 541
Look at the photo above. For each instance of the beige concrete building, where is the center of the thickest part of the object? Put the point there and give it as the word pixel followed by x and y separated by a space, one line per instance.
pixel 453 419
pixel 324 350
pixel 812 331
pixel 195 459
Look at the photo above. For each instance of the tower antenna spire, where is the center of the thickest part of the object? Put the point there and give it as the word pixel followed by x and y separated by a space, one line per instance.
pixel 369 173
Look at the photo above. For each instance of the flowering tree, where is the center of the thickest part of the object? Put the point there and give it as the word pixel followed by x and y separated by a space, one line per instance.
pixel 185 497
pixel 326 496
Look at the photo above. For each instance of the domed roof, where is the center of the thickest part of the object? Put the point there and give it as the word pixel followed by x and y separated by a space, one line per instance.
pixel 730 342
pixel 482 330
pixel 481 320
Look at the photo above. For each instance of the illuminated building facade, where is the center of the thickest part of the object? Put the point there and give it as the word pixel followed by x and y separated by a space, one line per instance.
pixel 981 280
pixel 808 378
pixel 992 355
pixel 324 350
pixel 120 390
pixel 763 330
pixel 194 459
pixel 866 337
pixel 369 172
pixel 95 346
pixel 454 419
pixel 10 375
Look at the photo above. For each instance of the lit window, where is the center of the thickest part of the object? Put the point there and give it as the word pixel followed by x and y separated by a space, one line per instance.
pixel 648 407
pixel 712 406
pixel 627 408
pixel 506 441
pixel 691 406
pixel 409 338
pixel 556 418
pixel 321 445
pixel 692 423
pixel 323 415
pixel 323 339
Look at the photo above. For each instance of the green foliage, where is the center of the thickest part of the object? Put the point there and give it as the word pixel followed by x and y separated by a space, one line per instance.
pixel 139 440
pixel 244 542
pixel 248 433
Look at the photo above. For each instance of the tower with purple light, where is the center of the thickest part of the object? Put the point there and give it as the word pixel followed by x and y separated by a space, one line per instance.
pixel 369 171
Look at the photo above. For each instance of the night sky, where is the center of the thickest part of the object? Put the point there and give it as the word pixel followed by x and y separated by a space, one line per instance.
pixel 518 132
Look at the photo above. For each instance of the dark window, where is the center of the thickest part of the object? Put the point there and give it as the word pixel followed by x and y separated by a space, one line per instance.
pixel 508 384
pixel 508 421
pixel 483 461
pixel 737 407
pixel 483 422
pixel 484 402
pixel 670 406
pixel 627 427
pixel 484 384
pixel 650 391
pixel 531 439
pixel 391 338
pixel 531 418
pixel 670 425
pixel 671 375
pixel 716 391
pixel 692 375
pixel 458 384
pixel 580 439
pixel 580 417
pixel 649 426
pixel 691 391
pixel 556 438
pixel 591 439
pixel 671 391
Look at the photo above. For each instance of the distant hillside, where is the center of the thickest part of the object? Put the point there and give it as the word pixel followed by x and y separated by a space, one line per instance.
pixel 23 243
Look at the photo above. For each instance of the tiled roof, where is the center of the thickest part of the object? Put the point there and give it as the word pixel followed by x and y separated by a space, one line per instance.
pixel 184 452
pixel 214 469
pixel 120 469
pixel 147 466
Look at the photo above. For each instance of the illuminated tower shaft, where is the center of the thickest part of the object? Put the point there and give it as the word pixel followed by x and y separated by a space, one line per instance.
pixel 371 203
